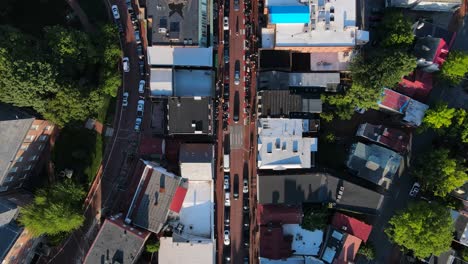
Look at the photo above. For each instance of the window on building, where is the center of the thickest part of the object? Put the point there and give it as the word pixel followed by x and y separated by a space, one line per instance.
pixel 47 128
pixel 34 127
pixel 28 167
pixel 33 158
pixel 24 147
pixel 19 159
pixel 43 138
pixel 19 186
pixel 24 176
pixel 14 169
pixel 40 147
pixel 9 178
pixel 30 137
pixel 3 188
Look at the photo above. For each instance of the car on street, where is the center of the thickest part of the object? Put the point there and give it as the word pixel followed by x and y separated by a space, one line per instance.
pixel 415 189
pixel 236 5
pixel 140 108
pixel 226 23
pixel 126 64
pixel 246 238
pixel 129 5
pixel 141 66
pixel 227 216
pixel 115 12
pixel 227 254
pixel 237 73
pixel 235 188
pixel 137 124
pixel 226 163
pixel 245 204
pixel 236 107
pixel 140 51
pixel 246 221
pixel 226 92
pixel 137 37
pixel 245 186
pixel 227 239
pixel 226 181
pixel 246 260
pixel 120 27
pixel 227 199
pixel 226 56
pixel 125 99
pixel 226 37
pixel 141 86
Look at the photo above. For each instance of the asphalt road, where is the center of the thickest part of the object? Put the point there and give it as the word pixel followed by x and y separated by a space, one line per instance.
pixel 118 162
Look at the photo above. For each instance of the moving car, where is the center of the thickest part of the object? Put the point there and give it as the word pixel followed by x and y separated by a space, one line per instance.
pixel 126 64
pixel 115 12
pixel 415 189
pixel 125 99
pixel 140 108
pixel 137 124
pixel 245 186
pixel 227 199
pixel 226 181
pixel 226 23
pixel 235 193
pixel 141 86
pixel 227 239
pixel 235 117
pixel 237 73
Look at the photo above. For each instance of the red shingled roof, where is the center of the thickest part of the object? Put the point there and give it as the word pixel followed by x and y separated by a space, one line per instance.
pixel 272 213
pixel 348 250
pixel 352 226
pixel 178 199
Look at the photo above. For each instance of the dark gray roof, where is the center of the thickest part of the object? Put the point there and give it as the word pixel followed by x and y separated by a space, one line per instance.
pixel 196 153
pixel 189 115
pixel 275 60
pixel 448 257
pixel 173 21
pixel 281 103
pixel 461 223
pixel 116 243
pixel 317 188
pixel 273 80
pixel 9 231
pixel 153 197
pixel 426 48
pixel 14 126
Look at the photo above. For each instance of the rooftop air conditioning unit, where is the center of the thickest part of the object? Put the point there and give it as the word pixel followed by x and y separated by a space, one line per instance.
pixel 162 30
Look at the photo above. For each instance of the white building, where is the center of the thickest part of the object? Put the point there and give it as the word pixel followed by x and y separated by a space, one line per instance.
pixel 426 5
pixel 281 145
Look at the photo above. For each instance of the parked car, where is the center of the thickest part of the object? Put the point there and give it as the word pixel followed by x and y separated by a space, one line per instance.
pixel 141 65
pixel 226 38
pixel 140 108
pixel 227 216
pixel 246 221
pixel 415 189
pixel 227 199
pixel 226 163
pixel 125 99
pixel 227 239
pixel 140 51
pixel 245 186
pixel 235 193
pixel 236 5
pixel 226 55
pixel 237 73
pixel 115 12
pixel 129 5
pixel 246 238
pixel 227 254
pixel 226 23
pixel 141 86
pixel 226 92
pixel 245 204
pixel 226 181
pixel 137 36
pixel 126 64
pixel 138 124
pixel 246 260
pixel 236 107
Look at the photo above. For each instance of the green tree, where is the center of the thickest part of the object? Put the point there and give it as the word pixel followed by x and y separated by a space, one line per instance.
pixel 395 30
pixel 315 219
pixel 423 228
pixel 367 250
pixel 440 173
pixel 152 246
pixel 439 117
pixel 54 210
pixel 455 67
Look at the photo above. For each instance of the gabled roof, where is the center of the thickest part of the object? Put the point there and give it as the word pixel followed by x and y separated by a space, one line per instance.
pixel 9 231
pixel 279 213
pixel 116 242
pixel 351 226
pixel 412 110
pixel 390 137
pixel 349 250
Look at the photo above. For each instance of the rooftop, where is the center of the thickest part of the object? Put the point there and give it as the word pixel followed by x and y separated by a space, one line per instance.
pixel 190 82
pixel 177 22
pixel 305 242
pixel 154 197
pixel 196 161
pixel 171 252
pixel 412 111
pixel 374 163
pixel 279 213
pixel 116 242
pixel 461 226
pixel 292 260
pixel 9 231
pixel 392 138
pixel 168 56
pixel 281 103
pixel 317 188
pixel 189 115
pixel 351 226
pixel 326 80
pixel 14 126
pixel 281 145
pixel 330 61
pixel 427 5
pixel 339 248
pixel 281 249
pixel 161 82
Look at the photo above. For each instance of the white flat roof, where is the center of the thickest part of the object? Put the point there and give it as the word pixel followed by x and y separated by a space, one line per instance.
pixel 281 145
pixel 161 82
pixel 329 61
pixel 197 210
pixel 333 24
pixel 193 83
pixel 305 242
pixel 171 252
pixel 268 38
pixel 180 56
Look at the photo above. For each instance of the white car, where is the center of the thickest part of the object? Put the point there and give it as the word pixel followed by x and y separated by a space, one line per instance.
pixel 126 64
pixel 137 124
pixel 227 239
pixel 140 108
pixel 141 86
pixel 245 186
pixel 125 99
pixel 227 199
pixel 226 23
pixel 115 12
pixel 226 181
pixel 415 189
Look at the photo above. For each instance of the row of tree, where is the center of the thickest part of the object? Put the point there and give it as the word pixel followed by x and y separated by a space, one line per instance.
pixel 63 76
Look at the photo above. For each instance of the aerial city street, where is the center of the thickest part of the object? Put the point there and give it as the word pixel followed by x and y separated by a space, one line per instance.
pixel 234 131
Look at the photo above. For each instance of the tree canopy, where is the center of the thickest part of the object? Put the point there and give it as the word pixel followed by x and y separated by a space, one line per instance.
pixel 54 210
pixel 439 116
pixel 455 67
pixel 423 228
pixel 315 219
pixel 395 30
pixel 440 173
